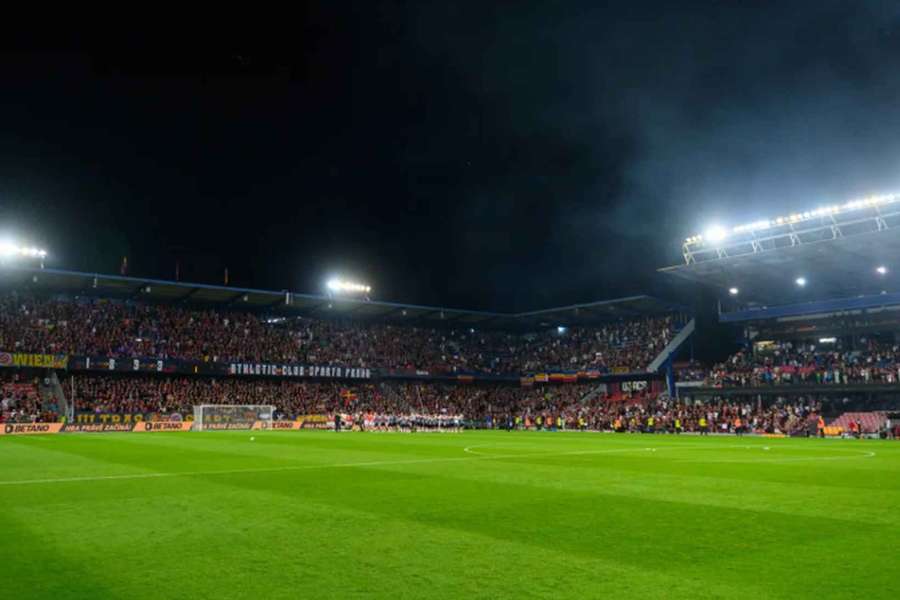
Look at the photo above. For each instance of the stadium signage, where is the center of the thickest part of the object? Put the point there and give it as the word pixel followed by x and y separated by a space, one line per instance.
pixel 22 359
pixel 107 363
pixel 96 427
pixel 315 422
pixel 313 418
pixel 151 426
pixel 211 368
pixel 634 386
pixel 128 418
pixel 295 371
pixel 227 426
pixel 30 428
pixel 279 425
pixel 299 371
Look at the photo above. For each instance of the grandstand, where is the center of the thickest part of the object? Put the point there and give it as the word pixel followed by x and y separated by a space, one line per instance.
pixel 816 300
pixel 129 345
pixel 123 345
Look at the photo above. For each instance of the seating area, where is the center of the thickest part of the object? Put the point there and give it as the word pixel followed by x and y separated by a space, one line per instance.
pixel 19 398
pixel 808 363
pixel 118 329
pixel 869 422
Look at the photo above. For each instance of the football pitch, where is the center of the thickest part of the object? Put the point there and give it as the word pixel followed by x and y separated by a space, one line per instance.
pixel 471 515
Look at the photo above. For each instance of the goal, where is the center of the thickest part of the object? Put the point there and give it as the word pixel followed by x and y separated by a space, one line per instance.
pixel 232 416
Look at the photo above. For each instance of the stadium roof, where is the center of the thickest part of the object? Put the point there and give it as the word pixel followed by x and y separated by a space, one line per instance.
pixel 321 306
pixel 832 266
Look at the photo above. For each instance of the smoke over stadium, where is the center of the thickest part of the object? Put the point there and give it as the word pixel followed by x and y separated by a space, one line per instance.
pixel 454 300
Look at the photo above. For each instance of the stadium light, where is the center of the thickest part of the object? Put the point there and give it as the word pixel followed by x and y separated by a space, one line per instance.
pixel 715 234
pixel 9 250
pixel 733 291
pixel 341 286
pixel 800 281
pixel 718 234
pixel 560 329
pixel 881 270
pixel 828 340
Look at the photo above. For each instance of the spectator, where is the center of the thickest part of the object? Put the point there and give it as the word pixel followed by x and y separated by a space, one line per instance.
pixel 131 329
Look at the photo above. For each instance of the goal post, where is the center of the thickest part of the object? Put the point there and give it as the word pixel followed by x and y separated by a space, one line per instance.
pixel 209 417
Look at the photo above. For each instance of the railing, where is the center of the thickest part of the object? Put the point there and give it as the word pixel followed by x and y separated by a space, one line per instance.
pixel 673 346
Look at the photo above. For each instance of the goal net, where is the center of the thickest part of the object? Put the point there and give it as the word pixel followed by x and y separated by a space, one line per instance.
pixel 232 416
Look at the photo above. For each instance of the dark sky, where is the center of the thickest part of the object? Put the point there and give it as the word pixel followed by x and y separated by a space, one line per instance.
pixel 508 157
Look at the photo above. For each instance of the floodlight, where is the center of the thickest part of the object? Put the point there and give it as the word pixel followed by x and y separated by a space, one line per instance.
pixel 733 291
pixel 881 270
pixel 827 340
pixel 338 285
pixel 715 233
pixel 800 281
pixel 560 329
pixel 9 249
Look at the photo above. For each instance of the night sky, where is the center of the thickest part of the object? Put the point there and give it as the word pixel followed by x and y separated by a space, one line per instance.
pixel 507 157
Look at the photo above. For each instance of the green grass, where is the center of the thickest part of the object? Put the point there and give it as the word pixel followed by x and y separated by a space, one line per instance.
pixel 520 515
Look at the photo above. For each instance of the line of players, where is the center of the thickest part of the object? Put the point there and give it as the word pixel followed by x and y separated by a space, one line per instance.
pixel 405 423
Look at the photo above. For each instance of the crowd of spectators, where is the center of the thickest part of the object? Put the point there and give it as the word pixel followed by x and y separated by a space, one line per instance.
pixel 789 363
pixel 178 395
pixel 720 416
pixel 690 371
pixel 119 329
pixel 20 399
pixel 563 405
